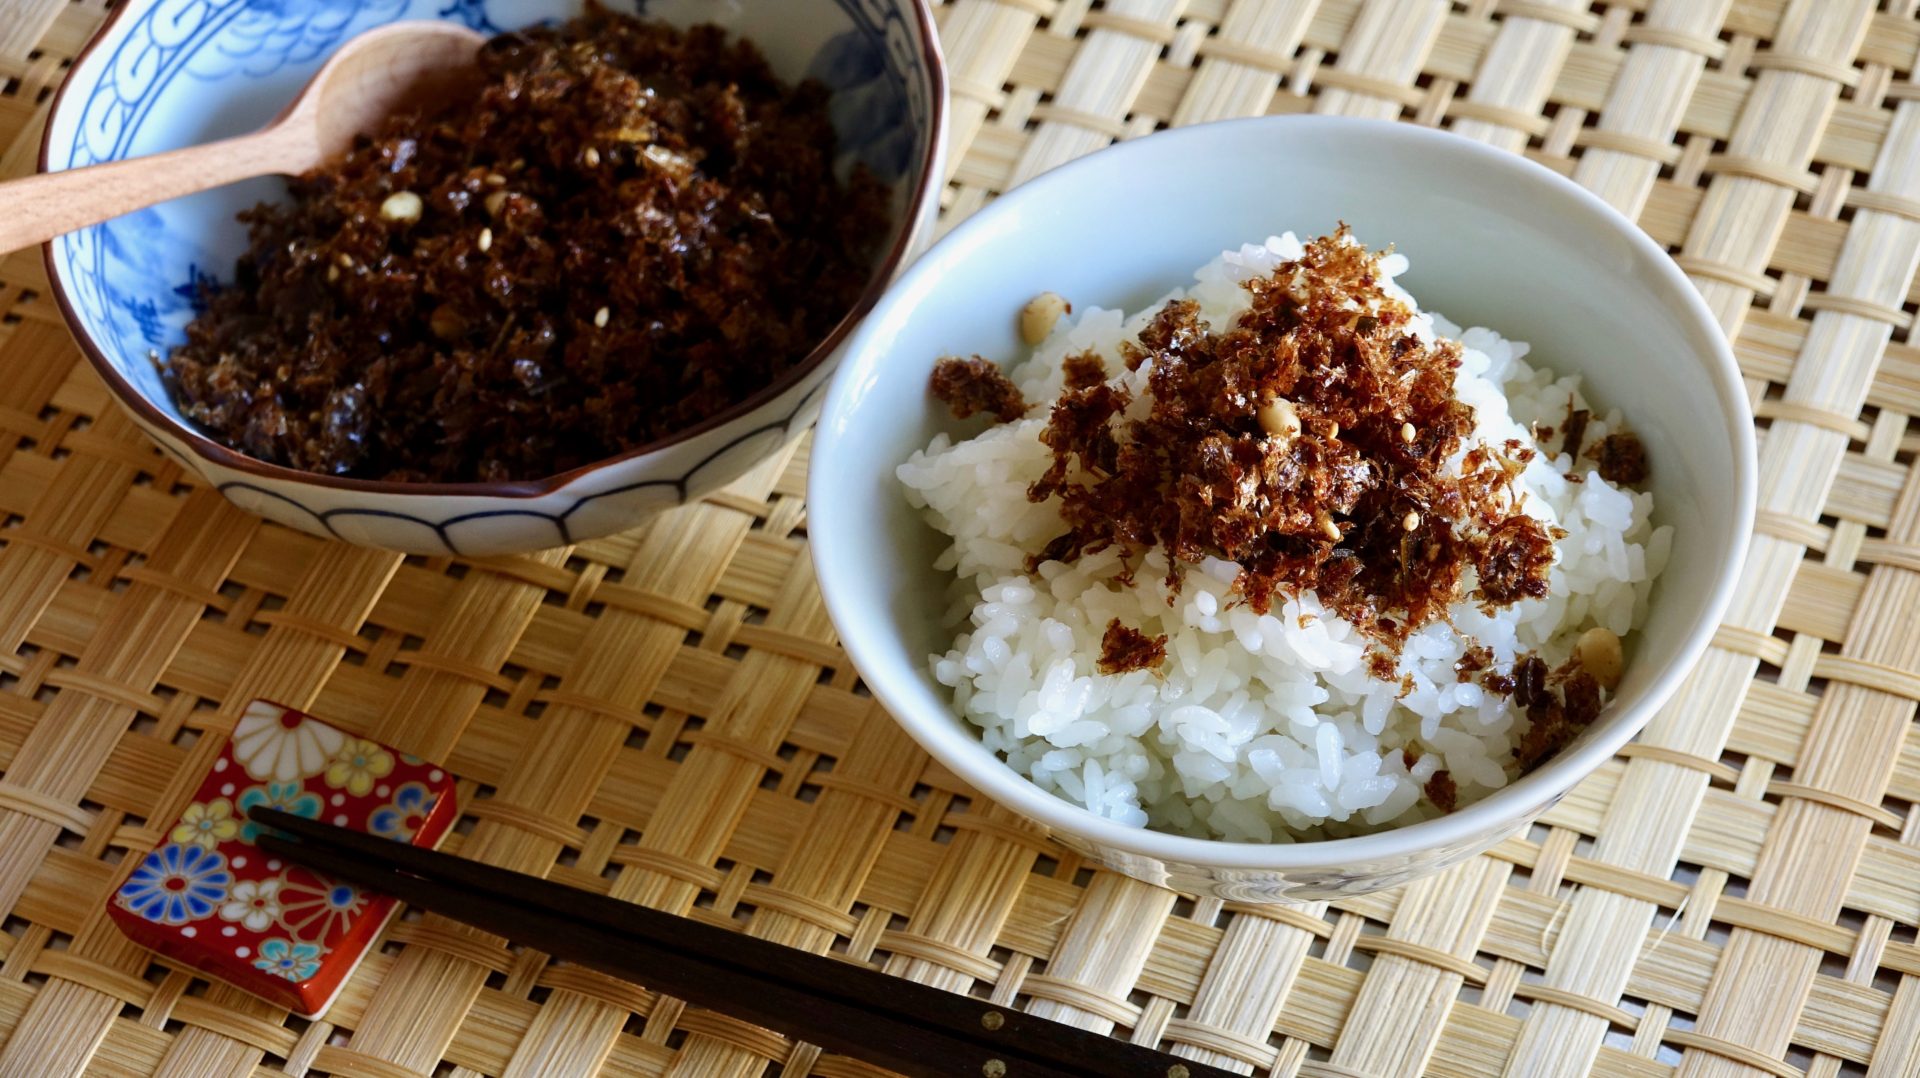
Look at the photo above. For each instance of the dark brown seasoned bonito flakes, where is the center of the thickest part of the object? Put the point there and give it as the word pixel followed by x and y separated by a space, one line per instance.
pixel 1124 648
pixel 1309 443
pixel 971 387
pixel 627 230
pixel 1622 458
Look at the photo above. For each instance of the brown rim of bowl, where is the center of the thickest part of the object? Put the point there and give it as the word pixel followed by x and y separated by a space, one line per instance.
pixel 215 453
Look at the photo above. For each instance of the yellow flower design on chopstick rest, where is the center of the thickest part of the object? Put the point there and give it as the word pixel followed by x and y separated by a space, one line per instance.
pixel 358 765
pixel 206 824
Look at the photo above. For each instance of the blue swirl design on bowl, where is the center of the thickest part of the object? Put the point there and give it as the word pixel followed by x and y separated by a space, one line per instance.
pixel 474 14
pixel 135 282
pixel 266 35
pixel 199 286
pixel 869 114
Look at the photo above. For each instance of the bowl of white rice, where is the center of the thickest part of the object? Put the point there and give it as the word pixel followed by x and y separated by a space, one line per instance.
pixel 1060 641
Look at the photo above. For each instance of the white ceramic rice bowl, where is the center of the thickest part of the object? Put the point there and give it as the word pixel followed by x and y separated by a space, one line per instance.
pixel 1493 239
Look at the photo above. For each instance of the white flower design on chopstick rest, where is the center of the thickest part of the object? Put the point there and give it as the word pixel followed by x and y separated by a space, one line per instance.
pixel 253 903
pixel 277 745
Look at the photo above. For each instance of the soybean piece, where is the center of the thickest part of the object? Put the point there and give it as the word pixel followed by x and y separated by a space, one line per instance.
pixel 1037 318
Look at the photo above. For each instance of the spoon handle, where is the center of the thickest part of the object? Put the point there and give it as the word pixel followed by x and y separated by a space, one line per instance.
pixel 37 208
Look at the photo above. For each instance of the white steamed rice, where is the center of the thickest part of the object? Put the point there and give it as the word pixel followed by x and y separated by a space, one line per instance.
pixel 1264 728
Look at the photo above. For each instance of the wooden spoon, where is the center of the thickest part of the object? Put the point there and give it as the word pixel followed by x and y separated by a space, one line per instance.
pixel 418 62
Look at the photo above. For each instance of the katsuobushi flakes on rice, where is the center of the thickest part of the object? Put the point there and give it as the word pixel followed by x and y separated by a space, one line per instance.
pixel 1282 556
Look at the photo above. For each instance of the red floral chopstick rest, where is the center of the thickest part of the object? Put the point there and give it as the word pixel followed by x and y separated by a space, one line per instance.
pixel 209 899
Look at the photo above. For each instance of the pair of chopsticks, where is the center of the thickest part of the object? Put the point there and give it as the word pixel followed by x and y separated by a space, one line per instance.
pixel 841 1006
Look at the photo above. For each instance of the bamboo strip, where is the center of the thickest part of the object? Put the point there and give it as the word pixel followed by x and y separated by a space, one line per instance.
pixel 1396 1021
pixel 1385 48
pixel 1088 958
pixel 1244 988
pixel 1240 80
pixel 969 895
pixel 1518 71
pixel 1097 92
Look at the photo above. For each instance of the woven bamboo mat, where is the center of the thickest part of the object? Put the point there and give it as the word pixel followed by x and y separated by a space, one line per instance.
pixel 665 716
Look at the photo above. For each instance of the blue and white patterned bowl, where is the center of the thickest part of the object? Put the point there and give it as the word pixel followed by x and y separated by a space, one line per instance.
pixel 180 72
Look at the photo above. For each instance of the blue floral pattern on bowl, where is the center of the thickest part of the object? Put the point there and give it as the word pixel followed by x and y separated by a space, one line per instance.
pixel 170 73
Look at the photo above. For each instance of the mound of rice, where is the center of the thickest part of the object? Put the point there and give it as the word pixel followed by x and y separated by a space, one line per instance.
pixel 1260 728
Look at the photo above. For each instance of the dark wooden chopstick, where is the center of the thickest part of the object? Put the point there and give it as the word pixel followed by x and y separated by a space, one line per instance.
pixel 840 1006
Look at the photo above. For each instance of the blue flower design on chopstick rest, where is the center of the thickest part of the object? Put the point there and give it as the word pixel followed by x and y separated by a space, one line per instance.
pixel 286 958
pixel 288 797
pixel 400 818
pixel 176 884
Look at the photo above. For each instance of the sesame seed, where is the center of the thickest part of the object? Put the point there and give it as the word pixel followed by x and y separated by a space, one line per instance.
pixel 494 179
pixel 486 240
pixel 592 157
pixel 666 159
pixel 600 318
pixel 1410 521
pixel 1407 433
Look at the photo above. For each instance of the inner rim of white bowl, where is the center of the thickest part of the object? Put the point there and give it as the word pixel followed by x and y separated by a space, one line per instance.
pixel 1498 810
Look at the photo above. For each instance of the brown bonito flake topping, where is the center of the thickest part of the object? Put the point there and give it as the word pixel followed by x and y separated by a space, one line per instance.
pixel 1309 443
pixel 1622 458
pixel 1084 369
pixel 1514 561
pixel 626 230
pixel 1125 648
pixel 1442 791
pixel 1559 708
pixel 976 386
pixel 1478 657
pixel 1576 428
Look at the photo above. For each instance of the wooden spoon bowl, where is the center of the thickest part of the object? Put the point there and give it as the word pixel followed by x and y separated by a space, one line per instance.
pixel 416 63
